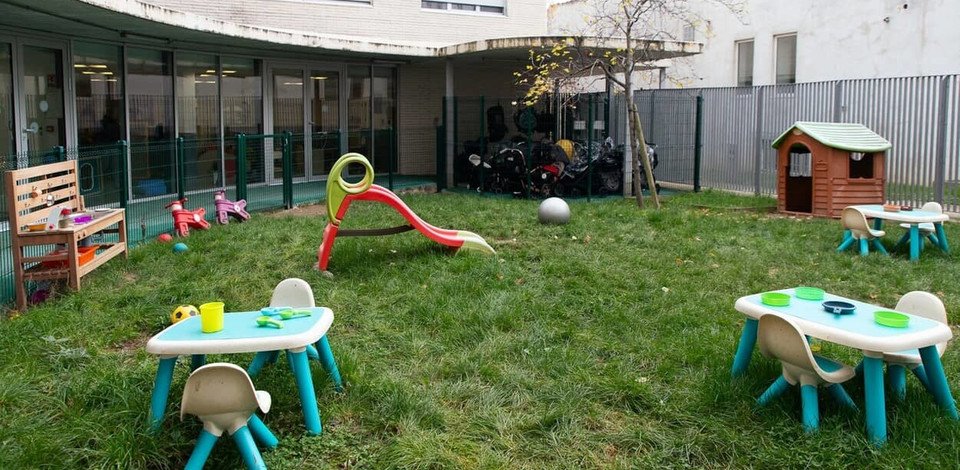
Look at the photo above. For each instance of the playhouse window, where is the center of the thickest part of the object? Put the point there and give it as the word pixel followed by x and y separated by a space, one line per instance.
pixel 801 163
pixel 861 165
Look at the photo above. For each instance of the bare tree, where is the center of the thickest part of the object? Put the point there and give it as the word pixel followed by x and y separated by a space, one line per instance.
pixel 617 39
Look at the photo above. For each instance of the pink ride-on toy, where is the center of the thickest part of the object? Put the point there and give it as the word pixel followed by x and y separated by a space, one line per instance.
pixel 226 208
pixel 183 219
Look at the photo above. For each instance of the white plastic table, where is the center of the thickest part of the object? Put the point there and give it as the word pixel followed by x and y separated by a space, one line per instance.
pixel 912 217
pixel 858 331
pixel 241 334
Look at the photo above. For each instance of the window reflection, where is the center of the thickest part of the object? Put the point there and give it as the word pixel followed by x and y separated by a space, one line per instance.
pixel 242 96
pixel 325 112
pixel 198 118
pixel 150 94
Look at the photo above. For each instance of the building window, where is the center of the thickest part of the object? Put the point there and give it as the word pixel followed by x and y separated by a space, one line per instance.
pixel 150 103
pixel 786 59
pixel 689 33
pixel 474 6
pixel 242 97
pixel 745 63
pixel 198 118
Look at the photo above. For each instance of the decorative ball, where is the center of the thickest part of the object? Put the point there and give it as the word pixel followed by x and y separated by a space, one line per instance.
pixel 180 247
pixel 165 237
pixel 553 211
pixel 182 312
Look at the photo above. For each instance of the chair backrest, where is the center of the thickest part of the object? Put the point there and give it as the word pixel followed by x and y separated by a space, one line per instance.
pixel 32 192
pixel 854 221
pixel 923 304
pixel 293 292
pixel 932 207
pixel 217 389
pixel 781 339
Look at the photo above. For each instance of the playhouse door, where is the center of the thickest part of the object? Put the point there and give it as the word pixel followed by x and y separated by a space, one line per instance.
pixel 799 184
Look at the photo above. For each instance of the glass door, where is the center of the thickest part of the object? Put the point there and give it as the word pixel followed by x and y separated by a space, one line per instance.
pixel 8 133
pixel 43 123
pixel 324 120
pixel 288 116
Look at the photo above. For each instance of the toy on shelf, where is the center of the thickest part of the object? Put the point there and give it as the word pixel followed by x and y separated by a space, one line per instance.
pixel 183 312
pixel 183 219
pixel 226 208
pixel 341 193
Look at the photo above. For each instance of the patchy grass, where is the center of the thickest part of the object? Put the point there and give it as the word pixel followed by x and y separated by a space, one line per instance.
pixel 606 342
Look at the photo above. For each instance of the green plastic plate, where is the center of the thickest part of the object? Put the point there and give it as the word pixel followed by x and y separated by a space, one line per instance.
pixel 809 293
pixel 775 299
pixel 891 319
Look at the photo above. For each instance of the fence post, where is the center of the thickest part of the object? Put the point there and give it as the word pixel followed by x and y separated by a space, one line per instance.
pixel 240 179
pixel 442 150
pixel 698 144
pixel 181 178
pixel 529 156
pixel 941 165
pixel 61 153
pixel 287 168
pixel 589 145
pixel 758 147
pixel 838 101
pixel 122 176
pixel 390 160
pixel 483 140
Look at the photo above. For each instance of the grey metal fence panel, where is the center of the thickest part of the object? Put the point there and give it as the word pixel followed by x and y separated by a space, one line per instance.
pixel 669 120
pixel 729 136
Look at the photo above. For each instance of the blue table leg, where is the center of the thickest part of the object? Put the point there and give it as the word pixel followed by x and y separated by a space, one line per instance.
pixel 312 352
pixel 897 375
pixel 937 380
pixel 922 377
pixel 308 397
pixel 248 449
pixel 272 358
pixel 811 409
pixel 878 223
pixel 914 242
pixel 259 360
pixel 201 451
pixel 874 400
pixel 197 361
pixel 329 363
pixel 847 241
pixel 941 237
pixel 261 432
pixel 161 389
pixel 748 338
pixel 774 390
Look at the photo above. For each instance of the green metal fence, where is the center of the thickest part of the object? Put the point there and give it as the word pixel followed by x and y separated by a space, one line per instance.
pixel 143 177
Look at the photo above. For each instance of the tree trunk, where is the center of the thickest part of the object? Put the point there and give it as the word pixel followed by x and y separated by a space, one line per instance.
pixel 630 146
pixel 643 157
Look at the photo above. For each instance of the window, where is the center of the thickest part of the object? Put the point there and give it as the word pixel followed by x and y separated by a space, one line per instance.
pixel 745 63
pixel 786 59
pixel 689 33
pixel 198 118
pixel 861 165
pixel 242 96
pixel 150 101
pixel 99 87
pixel 475 6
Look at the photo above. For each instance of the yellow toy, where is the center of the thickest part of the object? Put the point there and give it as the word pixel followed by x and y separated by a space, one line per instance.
pixel 182 312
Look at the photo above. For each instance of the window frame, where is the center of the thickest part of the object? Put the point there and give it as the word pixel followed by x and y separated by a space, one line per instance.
pixel 776 58
pixel 448 7
pixel 736 52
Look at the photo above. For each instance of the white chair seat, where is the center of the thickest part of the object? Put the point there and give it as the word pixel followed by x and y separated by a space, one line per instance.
pixel 832 371
pixel 264 401
pixel 877 233
pixel 926 228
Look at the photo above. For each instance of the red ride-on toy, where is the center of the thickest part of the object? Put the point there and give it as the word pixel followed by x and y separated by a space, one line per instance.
pixel 184 219
pixel 226 208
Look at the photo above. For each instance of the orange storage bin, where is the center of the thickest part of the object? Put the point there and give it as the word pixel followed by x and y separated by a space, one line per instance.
pixel 86 254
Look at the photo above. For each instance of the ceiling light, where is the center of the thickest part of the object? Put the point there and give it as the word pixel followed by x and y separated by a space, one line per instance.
pixel 79 66
pixel 229 71
pixel 111 79
pixel 319 78
pixel 107 73
pixel 293 83
pixel 205 75
pixel 96 80
pixel 88 72
pixel 98 66
pixel 210 71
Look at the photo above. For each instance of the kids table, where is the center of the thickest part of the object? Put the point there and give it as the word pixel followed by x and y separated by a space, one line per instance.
pixel 240 334
pixel 859 331
pixel 912 217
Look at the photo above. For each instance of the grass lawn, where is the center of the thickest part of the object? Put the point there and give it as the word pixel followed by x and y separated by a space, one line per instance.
pixel 606 342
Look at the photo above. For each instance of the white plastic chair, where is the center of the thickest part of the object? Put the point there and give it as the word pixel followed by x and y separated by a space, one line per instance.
pixel 781 339
pixel 922 304
pixel 856 224
pixel 223 397
pixel 293 292
pixel 927 230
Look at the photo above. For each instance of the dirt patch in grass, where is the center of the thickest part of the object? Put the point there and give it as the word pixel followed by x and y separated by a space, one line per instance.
pixel 313 210
pixel 131 345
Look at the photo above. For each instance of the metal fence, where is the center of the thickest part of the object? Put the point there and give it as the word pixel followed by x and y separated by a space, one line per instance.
pixel 920 116
pixel 143 177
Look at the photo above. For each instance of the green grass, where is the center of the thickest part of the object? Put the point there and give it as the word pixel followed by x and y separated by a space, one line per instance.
pixel 606 342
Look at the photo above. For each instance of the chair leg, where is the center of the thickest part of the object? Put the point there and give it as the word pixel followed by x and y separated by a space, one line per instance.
pixel 774 390
pixel 274 355
pixel 897 378
pixel 864 247
pixel 329 363
pixel 921 375
pixel 859 369
pixel 312 352
pixel 197 361
pixel 941 237
pixel 248 449
pixel 259 360
pixel 261 432
pixel 811 410
pixel 847 242
pixel 838 393
pixel 938 381
pixel 879 246
pixel 201 451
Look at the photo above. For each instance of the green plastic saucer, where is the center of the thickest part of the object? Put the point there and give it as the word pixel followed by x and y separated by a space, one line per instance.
pixel 809 293
pixel 775 299
pixel 891 319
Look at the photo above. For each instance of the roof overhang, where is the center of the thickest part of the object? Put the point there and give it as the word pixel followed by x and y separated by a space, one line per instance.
pixel 135 21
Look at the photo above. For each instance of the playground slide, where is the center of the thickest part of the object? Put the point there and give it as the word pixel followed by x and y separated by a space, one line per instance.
pixel 451 238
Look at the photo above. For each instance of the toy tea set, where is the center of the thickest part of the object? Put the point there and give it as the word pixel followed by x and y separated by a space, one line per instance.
pixel 881 317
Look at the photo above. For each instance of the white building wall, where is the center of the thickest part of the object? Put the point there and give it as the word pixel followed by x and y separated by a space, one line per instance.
pixel 835 40
pixel 397 20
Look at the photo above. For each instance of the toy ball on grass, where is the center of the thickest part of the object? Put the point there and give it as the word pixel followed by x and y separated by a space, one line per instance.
pixel 182 312
pixel 180 247
pixel 553 211
pixel 165 237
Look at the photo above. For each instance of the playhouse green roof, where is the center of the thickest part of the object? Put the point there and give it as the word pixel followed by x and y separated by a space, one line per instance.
pixel 841 135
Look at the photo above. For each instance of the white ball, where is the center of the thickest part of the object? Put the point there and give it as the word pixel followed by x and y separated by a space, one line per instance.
pixel 553 211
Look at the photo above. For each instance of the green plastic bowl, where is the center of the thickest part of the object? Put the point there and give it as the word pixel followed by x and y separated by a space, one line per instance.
pixel 891 319
pixel 775 299
pixel 809 293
